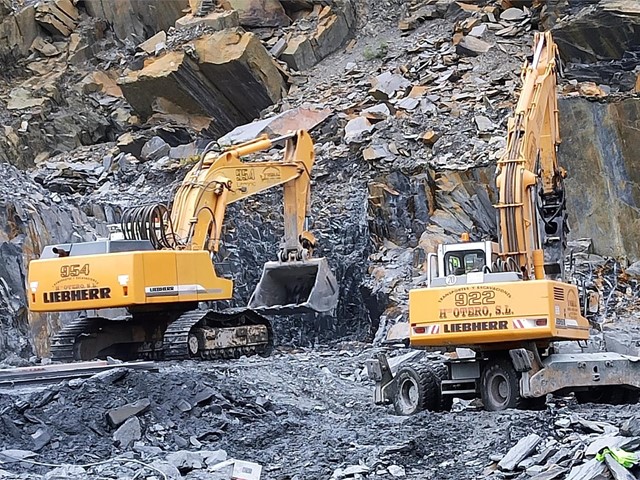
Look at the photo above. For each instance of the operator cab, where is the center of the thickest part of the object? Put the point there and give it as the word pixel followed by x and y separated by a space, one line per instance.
pixel 467 262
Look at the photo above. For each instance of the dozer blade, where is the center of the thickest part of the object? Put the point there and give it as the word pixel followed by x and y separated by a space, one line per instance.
pixel 289 288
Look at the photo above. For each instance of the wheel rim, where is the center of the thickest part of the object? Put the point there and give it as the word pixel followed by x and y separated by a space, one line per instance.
pixel 499 390
pixel 193 344
pixel 409 393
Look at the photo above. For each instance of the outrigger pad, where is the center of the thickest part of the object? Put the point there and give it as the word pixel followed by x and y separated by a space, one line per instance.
pixel 289 288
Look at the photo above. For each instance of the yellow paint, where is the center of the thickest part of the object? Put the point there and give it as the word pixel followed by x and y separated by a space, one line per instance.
pixel 495 302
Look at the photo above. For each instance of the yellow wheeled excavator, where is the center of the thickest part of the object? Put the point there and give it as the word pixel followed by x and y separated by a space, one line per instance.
pixel 499 308
pixel 162 270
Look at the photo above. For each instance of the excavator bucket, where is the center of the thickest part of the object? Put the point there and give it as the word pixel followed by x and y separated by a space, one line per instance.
pixel 289 288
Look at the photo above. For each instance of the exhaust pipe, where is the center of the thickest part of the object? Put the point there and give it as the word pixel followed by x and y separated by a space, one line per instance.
pixel 290 288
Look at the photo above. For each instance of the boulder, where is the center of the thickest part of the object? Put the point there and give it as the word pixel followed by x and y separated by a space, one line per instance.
pixel 334 27
pixel 241 69
pixel 579 37
pixel 140 18
pixel 177 79
pixel 298 54
pixel 258 13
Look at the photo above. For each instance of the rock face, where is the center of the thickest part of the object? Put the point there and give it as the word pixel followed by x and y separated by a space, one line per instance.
pixel 17 32
pixel 600 142
pixel 29 220
pixel 580 37
pixel 137 18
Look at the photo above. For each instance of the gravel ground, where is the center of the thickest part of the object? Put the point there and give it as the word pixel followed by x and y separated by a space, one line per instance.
pixel 305 414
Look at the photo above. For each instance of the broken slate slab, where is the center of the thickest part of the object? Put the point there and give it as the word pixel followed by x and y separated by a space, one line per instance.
pixel 168 469
pixel 355 130
pixel 117 416
pixel 602 442
pixel 617 470
pixel 40 438
pixel 128 433
pixel 552 473
pixel 154 149
pixel 519 452
pixel 478 31
pixel 185 461
pixel 387 84
pixel 483 124
pixel 591 470
pixel 512 15
pixel 213 457
pixel 204 395
pixel 472 46
pixel 15 455
pixel 631 427
pixel 396 471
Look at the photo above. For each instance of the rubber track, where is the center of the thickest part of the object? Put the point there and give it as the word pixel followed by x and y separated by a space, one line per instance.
pixel 63 343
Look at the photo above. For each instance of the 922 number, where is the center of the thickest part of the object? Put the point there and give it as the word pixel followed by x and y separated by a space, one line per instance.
pixel 462 299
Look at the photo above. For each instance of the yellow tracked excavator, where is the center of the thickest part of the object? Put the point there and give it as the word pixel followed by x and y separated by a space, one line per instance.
pixel 499 308
pixel 163 268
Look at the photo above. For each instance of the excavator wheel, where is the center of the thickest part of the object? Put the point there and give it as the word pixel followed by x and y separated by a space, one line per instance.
pixel 499 385
pixel 416 389
pixel 442 373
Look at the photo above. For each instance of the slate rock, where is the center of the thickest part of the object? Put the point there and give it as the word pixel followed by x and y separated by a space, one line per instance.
pixel 519 452
pixel 472 46
pixel 154 149
pixel 41 437
pixel 128 433
pixel 117 416
pixel 185 461
pixel 591 470
pixel 168 469
pixel 512 14
pixel 356 129
pixel 631 427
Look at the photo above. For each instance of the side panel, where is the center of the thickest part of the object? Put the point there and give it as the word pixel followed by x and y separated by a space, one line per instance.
pixel 198 276
pixel 125 279
pixel 485 313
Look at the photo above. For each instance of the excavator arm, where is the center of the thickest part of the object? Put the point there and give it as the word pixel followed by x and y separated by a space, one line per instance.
pixel 197 214
pixel 530 182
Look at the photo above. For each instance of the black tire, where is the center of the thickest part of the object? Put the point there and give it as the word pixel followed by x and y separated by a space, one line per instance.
pixel 441 372
pixel 416 389
pixel 500 385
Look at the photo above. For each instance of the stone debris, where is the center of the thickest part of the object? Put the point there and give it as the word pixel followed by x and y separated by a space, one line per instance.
pixel 571 452
pixel 120 415
pixel 408 119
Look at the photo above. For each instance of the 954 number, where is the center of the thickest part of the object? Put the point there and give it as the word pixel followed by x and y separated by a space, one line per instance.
pixel 463 299
pixel 74 270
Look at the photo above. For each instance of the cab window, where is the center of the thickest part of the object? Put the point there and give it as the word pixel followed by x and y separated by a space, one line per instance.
pixel 460 263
